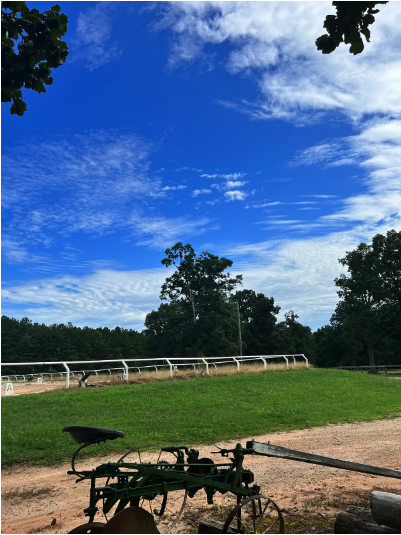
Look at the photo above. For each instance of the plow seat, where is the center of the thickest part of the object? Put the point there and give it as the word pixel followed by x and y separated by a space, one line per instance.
pixel 86 435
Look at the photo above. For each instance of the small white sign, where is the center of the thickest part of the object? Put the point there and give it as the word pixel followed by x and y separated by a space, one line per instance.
pixel 8 390
pixel 39 380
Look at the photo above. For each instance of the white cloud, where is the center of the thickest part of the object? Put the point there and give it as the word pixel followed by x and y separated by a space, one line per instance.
pixel 377 150
pixel 197 192
pixel 92 43
pixel 97 183
pixel 166 231
pixel 104 298
pixel 188 169
pixel 236 195
pixel 206 175
pixel 89 182
pixel 276 40
pixel 171 188
pixel 231 184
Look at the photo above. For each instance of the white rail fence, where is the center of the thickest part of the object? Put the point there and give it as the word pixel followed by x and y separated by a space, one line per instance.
pixel 159 363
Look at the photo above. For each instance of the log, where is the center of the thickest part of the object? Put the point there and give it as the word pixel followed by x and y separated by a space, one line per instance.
pixel 213 526
pixel 386 509
pixel 361 511
pixel 350 523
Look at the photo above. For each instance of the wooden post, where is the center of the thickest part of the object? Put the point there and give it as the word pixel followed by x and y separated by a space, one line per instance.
pixel 386 509
pixel 351 523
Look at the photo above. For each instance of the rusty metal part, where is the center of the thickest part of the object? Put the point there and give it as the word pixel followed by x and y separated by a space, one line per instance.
pixel 255 514
pixel 131 520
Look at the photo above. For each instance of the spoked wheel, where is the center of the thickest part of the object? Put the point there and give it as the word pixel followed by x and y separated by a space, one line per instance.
pixel 89 527
pixel 167 509
pixel 256 514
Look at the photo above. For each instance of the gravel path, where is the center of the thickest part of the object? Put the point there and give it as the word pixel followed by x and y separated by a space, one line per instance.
pixel 293 484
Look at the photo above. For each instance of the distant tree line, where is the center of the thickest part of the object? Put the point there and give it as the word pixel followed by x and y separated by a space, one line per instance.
pixel 24 341
pixel 200 309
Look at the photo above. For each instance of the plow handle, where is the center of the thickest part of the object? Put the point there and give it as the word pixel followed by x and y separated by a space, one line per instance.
pixel 269 450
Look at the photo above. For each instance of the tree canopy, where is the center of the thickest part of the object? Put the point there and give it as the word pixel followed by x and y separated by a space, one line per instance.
pixel 199 277
pixel 31 46
pixel 351 21
pixel 370 305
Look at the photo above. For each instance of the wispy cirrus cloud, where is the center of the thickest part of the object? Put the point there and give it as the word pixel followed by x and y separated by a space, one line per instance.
pixel 105 297
pixel 275 42
pixel 80 182
pixel 92 43
pixel 172 188
pixel 377 151
pixel 97 183
pixel 276 203
pixel 163 230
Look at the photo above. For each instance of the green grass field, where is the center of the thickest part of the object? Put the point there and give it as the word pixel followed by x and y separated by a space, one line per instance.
pixel 196 411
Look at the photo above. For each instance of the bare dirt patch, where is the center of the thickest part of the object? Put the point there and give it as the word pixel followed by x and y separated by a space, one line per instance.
pixel 34 497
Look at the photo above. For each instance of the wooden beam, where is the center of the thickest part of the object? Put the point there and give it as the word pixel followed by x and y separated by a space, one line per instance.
pixel 269 450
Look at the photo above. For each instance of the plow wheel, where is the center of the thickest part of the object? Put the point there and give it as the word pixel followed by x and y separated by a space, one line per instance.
pixel 167 509
pixel 89 527
pixel 256 514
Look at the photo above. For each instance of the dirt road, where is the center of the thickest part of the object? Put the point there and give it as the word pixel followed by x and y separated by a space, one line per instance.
pixel 298 488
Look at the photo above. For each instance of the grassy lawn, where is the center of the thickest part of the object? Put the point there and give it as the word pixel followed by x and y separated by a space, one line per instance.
pixel 195 411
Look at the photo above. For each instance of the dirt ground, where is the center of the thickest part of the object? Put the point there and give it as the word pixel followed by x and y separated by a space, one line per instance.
pixel 33 498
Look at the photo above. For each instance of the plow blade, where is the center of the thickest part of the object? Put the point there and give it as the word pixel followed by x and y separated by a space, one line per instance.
pixel 131 520
pixel 269 450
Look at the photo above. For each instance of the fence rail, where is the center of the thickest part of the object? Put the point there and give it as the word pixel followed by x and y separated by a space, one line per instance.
pixel 374 369
pixel 173 364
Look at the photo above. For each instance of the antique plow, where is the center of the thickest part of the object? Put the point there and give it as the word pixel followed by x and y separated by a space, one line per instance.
pixel 135 493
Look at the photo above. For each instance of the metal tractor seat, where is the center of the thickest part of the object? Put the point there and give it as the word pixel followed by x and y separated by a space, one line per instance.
pixel 87 435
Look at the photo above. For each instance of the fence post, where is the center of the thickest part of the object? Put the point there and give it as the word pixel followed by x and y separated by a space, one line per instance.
pixel 126 370
pixel 264 362
pixel 306 360
pixel 67 376
pixel 171 367
pixel 284 357
pixel 238 364
pixel 207 366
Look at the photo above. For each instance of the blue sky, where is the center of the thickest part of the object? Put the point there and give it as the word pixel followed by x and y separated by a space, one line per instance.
pixel 215 124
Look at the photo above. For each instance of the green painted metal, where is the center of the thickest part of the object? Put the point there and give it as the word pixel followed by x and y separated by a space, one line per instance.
pixel 128 483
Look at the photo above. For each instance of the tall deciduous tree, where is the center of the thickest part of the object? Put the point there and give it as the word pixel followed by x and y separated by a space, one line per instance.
pixel 347 26
pixel 200 280
pixel 31 46
pixel 370 306
pixel 199 319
